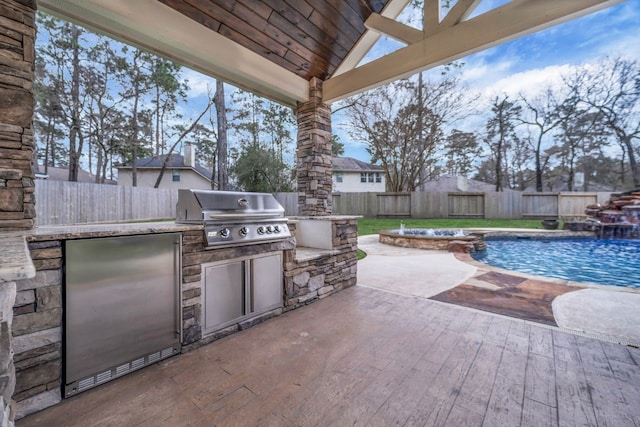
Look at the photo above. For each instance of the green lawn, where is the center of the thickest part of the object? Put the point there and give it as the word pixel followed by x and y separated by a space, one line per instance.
pixel 374 225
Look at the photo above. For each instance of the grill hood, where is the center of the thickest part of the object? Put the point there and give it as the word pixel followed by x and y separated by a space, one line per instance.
pixel 198 206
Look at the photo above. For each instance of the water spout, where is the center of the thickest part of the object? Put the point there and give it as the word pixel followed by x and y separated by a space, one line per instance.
pixel 401 228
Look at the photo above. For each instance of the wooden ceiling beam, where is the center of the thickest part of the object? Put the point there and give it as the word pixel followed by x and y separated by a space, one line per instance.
pixel 369 38
pixel 505 23
pixel 394 29
pixel 459 12
pixel 430 17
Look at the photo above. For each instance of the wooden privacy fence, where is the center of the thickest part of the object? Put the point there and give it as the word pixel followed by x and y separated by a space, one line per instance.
pixel 490 205
pixel 60 202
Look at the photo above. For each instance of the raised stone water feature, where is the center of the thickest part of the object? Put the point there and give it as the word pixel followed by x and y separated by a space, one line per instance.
pixel 618 217
pixel 451 240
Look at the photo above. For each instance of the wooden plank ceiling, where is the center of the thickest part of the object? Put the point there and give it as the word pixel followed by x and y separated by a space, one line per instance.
pixel 309 38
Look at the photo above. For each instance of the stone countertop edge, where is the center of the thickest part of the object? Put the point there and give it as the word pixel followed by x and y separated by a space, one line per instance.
pixel 15 263
pixel 83 231
pixel 327 217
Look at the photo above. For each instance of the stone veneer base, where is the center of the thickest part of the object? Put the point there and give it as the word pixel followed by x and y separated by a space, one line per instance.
pixel 38 313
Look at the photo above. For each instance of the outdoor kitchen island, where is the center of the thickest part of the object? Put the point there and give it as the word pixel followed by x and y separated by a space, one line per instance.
pixel 309 273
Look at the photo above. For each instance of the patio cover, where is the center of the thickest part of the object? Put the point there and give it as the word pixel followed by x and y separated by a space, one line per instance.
pixel 275 47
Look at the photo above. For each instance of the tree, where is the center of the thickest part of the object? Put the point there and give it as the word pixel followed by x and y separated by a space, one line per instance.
pixel 221 151
pixel 62 60
pixel 263 130
pixel 544 116
pixel 403 126
pixel 501 136
pixel 613 90
pixel 581 137
pixel 138 75
pixel 167 93
pixel 462 149
pixel 183 134
pixel 48 121
pixel 104 108
pixel 259 168
pixel 337 147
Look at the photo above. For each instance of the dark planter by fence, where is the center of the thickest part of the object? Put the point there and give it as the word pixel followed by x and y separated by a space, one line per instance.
pixel 550 224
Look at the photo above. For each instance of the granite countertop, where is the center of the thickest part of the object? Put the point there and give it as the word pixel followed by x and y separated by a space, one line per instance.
pixel 83 231
pixel 327 217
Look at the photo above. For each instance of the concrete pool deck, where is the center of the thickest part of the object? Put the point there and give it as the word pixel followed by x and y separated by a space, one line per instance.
pixel 608 312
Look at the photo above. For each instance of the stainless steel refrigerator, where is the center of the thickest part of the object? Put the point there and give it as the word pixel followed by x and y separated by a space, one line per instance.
pixel 122 306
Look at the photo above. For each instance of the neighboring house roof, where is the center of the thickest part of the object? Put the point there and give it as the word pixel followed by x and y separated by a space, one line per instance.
pixel 62 174
pixel 458 183
pixel 349 164
pixel 176 161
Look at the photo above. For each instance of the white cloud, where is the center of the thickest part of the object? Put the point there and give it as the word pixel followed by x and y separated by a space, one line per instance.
pixel 199 84
pixel 528 83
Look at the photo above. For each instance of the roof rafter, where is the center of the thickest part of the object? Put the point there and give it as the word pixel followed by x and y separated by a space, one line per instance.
pixel 393 29
pixel 459 12
pixel 512 20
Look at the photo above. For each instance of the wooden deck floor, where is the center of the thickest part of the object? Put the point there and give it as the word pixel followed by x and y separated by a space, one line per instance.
pixel 366 357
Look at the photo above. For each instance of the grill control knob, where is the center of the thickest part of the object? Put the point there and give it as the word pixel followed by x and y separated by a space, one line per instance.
pixel 244 231
pixel 276 228
pixel 269 230
pixel 260 230
pixel 224 233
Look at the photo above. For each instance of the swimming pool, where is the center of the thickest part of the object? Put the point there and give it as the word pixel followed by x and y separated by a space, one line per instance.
pixel 601 261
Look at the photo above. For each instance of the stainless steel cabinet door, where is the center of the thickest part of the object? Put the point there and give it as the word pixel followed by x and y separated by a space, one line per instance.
pixel 224 293
pixel 266 282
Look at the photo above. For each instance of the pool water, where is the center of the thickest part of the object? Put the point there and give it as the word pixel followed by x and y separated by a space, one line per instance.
pixel 601 261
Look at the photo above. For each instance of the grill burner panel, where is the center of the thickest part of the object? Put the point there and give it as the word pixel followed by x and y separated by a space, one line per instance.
pixel 254 232
pixel 233 218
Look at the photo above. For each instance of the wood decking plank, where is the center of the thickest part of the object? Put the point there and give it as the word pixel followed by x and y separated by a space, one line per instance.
pixel 507 395
pixel 609 404
pixel 536 414
pixel 402 402
pixel 574 399
pixel 366 357
pixel 593 356
pixel 518 338
pixel 480 378
pixel 618 352
pixel 541 341
pixel 540 381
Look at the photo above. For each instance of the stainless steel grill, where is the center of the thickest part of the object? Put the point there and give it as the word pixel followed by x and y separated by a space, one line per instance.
pixel 233 218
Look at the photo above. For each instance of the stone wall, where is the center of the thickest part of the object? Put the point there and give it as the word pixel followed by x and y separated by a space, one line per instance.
pixel 309 278
pixel 313 169
pixel 7 371
pixel 37 331
pixel 17 54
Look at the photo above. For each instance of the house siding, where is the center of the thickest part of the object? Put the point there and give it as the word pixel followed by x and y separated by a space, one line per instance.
pixel 147 178
pixel 351 183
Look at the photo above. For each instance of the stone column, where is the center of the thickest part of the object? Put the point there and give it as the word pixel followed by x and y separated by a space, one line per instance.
pixel 17 55
pixel 313 169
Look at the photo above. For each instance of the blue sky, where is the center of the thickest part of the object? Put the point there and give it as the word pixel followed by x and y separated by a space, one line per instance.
pixel 531 63
pixel 525 65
